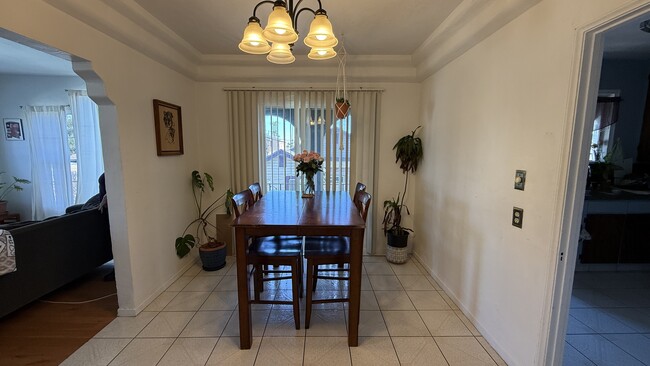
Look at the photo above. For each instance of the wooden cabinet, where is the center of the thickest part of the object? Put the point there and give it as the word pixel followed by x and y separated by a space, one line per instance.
pixel 617 238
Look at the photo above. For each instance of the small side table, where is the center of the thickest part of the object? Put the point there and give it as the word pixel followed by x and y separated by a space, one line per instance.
pixel 9 217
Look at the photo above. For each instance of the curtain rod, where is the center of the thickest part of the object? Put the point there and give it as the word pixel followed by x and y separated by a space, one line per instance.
pixel 304 89
pixel 63 105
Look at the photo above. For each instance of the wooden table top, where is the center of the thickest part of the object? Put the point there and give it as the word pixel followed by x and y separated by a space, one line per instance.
pixel 288 208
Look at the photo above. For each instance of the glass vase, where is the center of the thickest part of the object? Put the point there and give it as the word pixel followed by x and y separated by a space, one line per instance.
pixel 309 185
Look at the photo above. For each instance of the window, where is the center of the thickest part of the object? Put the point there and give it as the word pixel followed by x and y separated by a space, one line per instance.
pixel 604 123
pixel 72 146
pixel 285 135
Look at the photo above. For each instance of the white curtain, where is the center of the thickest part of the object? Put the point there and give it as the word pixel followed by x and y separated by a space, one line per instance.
pixel 244 140
pixel 268 127
pixel 51 179
pixel 90 164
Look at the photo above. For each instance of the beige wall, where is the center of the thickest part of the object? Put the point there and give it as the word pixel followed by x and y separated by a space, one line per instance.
pixel 148 195
pixel 501 106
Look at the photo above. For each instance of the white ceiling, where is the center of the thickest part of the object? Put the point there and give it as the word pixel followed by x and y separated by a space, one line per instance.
pixel 627 41
pixel 19 59
pixel 370 27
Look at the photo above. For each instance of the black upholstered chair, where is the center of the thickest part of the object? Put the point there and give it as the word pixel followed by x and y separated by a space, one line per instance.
pixel 329 250
pixel 272 250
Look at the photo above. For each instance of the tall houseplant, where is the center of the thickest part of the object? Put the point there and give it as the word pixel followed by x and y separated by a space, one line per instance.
pixel 408 153
pixel 6 188
pixel 200 229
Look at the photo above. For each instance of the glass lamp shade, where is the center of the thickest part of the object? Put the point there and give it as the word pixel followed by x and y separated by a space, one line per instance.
pixel 279 27
pixel 253 42
pixel 320 33
pixel 321 53
pixel 280 54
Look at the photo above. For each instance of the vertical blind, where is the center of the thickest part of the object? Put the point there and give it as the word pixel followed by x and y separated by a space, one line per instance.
pixel 268 127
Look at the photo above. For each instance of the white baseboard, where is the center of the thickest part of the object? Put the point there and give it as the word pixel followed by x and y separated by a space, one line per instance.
pixel 138 309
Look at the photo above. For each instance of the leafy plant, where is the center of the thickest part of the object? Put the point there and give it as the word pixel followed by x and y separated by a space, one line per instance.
pixel 202 226
pixel 342 100
pixel 408 153
pixel 6 188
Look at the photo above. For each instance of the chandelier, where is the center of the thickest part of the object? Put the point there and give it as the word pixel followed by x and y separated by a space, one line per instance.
pixel 281 32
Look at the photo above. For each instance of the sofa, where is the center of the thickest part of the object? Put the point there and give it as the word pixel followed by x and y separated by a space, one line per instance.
pixel 52 253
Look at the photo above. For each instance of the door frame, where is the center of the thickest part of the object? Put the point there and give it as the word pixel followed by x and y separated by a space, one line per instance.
pixel 583 98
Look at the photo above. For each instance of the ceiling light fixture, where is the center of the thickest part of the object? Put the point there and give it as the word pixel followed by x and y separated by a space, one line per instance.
pixel 645 26
pixel 281 32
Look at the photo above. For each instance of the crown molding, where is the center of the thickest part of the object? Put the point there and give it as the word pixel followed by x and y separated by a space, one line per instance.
pixel 139 31
pixel 129 23
pixel 470 23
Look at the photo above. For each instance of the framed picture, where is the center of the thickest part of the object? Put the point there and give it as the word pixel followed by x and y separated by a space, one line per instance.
pixel 169 130
pixel 14 129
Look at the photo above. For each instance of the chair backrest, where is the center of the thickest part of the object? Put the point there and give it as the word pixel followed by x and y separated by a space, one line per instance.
pixel 242 201
pixel 257 191
pixel 358 189
pixel 364 204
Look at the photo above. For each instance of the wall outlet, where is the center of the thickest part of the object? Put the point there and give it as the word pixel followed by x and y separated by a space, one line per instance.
pixel 517 217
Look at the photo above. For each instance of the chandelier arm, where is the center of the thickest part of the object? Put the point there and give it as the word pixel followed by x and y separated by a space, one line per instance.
pixel 260 3
pixel 295 20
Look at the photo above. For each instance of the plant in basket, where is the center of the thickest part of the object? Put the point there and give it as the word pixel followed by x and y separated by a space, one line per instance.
pixel 201 229
pixel 409 153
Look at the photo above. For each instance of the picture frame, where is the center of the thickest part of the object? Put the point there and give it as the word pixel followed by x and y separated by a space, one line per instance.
pixel 169 128
pixel 14 129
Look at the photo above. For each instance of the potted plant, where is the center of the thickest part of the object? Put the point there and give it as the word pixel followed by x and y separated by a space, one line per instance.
pixel 602 168
pixel 409 153
pixel 342 108
pixel 211 251
pixel 6 188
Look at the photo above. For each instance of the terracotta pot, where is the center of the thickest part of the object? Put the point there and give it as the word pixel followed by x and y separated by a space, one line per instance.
pixel 213 255
pixel 342 109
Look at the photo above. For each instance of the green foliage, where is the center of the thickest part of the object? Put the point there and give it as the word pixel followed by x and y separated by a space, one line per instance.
pixel 6 188
pixel 409 153
pixel 342 100
pixel 201 226
pixel 393 215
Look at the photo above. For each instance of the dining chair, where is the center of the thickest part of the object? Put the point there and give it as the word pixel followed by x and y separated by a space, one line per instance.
pixel 329 250
pixel 257 191
pixel 272 250
pixel 358 189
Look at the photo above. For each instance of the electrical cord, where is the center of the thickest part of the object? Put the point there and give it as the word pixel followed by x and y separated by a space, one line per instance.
pixel 78 302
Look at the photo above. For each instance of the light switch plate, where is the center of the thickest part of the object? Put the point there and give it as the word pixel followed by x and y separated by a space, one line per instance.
pixel 517 217
pixel 520 179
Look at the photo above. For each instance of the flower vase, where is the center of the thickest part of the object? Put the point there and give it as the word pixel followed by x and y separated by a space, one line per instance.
pixel 309 186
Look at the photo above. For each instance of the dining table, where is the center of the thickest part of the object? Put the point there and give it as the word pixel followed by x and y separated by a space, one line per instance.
pixel 287 213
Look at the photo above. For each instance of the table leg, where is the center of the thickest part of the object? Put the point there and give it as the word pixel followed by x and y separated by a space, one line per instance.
pixel 245 324
pixel 356 252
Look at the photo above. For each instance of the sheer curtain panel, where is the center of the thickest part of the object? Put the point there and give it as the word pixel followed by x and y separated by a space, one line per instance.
pixel 243 129
pixel 51 179
pixel 90 164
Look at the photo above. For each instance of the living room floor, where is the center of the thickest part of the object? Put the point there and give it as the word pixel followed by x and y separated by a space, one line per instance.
pixel 609 319
pixel 405 318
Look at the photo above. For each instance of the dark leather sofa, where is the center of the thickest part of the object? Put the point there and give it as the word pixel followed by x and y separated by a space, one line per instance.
pixel 52 253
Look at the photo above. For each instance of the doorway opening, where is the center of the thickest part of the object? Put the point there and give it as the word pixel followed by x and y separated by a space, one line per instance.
pixel 602 261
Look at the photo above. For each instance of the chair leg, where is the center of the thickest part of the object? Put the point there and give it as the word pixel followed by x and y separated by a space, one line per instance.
pixel 300 273
pixel 315 276
pixel 310 289
pixel 258 286
pixel 296 298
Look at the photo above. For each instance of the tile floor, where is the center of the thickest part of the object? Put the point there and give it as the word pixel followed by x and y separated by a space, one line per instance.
pixel 609 320
pixel 405 319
